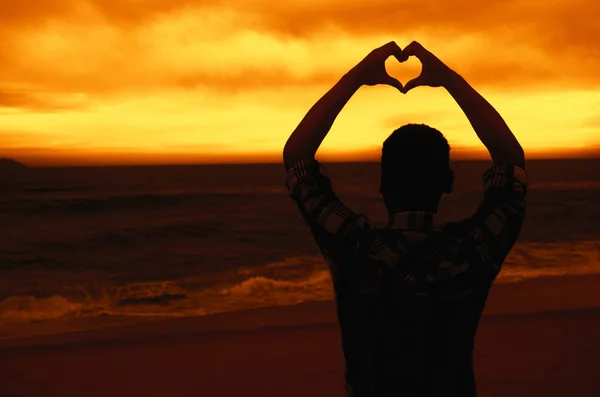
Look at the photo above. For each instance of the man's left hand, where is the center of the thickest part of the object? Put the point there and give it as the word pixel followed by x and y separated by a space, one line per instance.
pixel 371 70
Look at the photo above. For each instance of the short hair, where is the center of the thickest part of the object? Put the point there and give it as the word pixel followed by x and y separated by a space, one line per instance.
pixel 417 157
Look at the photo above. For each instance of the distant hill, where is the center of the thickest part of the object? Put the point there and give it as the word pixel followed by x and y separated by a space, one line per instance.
pixel 10 169
pixel 7 164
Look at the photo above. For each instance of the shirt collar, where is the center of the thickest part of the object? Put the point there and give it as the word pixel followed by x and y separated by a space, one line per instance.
pixel 411 220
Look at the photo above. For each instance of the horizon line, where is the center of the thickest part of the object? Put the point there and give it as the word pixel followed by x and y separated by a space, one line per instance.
pixel 112 159
pixel 258 163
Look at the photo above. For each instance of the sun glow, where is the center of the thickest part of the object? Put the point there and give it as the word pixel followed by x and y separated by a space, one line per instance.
pixel 114 82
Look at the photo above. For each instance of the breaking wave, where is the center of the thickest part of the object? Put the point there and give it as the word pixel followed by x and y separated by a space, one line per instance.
pixel 285 282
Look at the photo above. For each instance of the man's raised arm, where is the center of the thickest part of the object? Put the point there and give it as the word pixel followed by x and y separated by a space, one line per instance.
pixel 307 137
pixel 486 121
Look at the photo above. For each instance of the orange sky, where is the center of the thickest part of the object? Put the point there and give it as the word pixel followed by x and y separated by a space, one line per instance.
pixel 156 81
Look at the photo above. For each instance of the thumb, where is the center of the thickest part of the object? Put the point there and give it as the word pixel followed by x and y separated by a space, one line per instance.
pixel 413 83
pixel 394 83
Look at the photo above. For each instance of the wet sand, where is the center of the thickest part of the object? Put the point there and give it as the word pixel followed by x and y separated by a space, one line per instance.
pixel 537 338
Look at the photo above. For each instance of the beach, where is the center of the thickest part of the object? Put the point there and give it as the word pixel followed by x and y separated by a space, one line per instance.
pixel 537 338
pixel 205 281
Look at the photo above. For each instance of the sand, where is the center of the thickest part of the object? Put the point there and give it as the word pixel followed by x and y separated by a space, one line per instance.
pixel 537 338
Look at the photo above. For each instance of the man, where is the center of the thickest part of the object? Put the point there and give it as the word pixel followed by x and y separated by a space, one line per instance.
pixel 409 297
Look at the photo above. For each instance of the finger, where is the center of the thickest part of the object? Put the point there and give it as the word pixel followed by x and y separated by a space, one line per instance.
pixel 402 58
pixel 394 83
pixel 392 48
pixel 413 49
pixel 413 83
pixel 396 50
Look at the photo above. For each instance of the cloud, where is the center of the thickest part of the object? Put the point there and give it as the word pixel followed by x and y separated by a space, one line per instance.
pixel 254 79
pixel 40 102
pixel 33 11
pixel 593 122
pixel 15 139
pixel 558 24
pixel 109 47
pixel 115 11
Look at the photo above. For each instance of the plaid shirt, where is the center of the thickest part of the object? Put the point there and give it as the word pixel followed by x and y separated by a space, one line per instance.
pixel 409 296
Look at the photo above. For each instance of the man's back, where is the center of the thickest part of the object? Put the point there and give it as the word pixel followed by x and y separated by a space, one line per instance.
pixel 409 342
pixel 409 296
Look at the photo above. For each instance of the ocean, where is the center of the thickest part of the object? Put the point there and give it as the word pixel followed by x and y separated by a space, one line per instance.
pixel 89 247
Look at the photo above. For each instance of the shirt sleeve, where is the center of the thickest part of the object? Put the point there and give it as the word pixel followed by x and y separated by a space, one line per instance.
pixel 336 228
pixel 488 236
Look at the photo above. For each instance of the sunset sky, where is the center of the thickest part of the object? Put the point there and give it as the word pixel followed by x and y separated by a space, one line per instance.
pixel 180 81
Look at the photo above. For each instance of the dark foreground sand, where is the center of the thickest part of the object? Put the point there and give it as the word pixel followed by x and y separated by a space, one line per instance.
pixel 538 338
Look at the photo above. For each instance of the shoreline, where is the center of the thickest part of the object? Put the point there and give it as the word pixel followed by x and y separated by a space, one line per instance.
pixel 528 297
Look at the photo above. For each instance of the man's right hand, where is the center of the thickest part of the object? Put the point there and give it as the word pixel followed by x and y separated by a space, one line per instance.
pixel 434 72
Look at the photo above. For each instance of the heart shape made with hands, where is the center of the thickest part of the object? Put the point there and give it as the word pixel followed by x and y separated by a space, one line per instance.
pixel 403 71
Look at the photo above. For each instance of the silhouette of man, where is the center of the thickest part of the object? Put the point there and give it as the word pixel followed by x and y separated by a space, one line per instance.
pixel 409 296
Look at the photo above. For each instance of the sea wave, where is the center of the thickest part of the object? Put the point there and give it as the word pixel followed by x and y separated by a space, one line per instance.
pixel 61 202
pixel 288 281
pixel 53 188
pixel 25 309
pixel 543 259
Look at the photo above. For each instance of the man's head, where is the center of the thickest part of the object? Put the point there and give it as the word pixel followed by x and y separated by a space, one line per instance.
pixel 415 169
